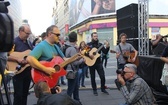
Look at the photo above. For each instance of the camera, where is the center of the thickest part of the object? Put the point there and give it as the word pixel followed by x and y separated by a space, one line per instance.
pixel 120 71
pixel 6 28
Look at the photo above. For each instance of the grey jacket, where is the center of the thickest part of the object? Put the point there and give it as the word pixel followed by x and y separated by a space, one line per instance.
pixel 71 51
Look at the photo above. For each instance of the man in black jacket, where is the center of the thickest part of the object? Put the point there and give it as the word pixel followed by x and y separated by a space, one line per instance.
pixel 42 92
pixel 97 66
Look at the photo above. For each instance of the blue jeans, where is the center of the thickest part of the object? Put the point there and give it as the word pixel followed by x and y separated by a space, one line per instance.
pixel 82 75
pixel 73 87
pixel 62 78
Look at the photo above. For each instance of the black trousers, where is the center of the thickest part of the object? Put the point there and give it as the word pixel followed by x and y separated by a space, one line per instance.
pixel 101 74
pixel 21 83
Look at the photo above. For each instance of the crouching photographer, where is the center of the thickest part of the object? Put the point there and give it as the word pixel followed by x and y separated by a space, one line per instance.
pixel 134 89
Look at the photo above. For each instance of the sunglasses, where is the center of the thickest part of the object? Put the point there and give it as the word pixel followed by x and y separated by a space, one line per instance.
pixel 124 72
pixel 55 34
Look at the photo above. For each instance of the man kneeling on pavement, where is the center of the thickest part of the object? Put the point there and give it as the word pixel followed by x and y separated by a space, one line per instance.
pixel 134 89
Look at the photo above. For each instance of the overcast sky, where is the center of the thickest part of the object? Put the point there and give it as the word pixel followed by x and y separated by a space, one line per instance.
pixel 38 12
pixel 155 6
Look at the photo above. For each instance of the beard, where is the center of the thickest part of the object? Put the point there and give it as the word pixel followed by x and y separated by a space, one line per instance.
pixel 95 41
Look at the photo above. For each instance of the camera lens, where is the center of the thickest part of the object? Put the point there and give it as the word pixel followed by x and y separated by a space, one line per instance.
pixel 119 71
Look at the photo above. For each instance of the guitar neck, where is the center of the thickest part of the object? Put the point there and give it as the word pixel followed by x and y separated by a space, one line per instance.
pixel 99 48
pixel 102 46
pixel 70 60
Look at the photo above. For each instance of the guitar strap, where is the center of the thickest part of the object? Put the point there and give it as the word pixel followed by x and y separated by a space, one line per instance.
pixel 62 58
pixel 120 49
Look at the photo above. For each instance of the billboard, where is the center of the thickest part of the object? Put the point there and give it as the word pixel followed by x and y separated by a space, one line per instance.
pixel 82 9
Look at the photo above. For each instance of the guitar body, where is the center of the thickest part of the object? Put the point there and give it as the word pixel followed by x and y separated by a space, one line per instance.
pixel 89 61
pixel 20 55
pixel 130 56
pixel 52 80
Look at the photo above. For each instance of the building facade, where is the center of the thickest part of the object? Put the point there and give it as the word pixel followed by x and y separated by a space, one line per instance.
pixel 61 15
pixel 106 27
pixel 15 11
pixel 104 24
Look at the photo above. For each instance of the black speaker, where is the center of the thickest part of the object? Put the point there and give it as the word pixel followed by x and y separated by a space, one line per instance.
pixel 127 21
pixel 134 43
pixel 159 49
pixel 132 32
pixel 127 11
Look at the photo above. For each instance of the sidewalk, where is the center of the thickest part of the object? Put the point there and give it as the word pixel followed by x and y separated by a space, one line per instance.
pixel 87 97
pixel 114 97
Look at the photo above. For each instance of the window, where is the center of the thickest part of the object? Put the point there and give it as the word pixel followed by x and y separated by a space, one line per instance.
pixel 154 31
pixel 66 7
pixel 105 34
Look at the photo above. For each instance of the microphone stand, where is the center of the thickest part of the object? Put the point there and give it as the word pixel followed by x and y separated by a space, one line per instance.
pixel 5 87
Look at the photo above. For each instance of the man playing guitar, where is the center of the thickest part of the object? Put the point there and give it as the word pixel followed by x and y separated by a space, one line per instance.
pixel 21 81
pixel 97 65
pixel 46 51
pixel 122 49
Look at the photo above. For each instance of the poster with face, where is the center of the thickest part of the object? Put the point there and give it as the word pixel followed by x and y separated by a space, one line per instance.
pixel 102 6
pixel 82 9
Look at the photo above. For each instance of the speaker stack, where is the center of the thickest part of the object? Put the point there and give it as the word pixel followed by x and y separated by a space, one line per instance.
pixel 127 22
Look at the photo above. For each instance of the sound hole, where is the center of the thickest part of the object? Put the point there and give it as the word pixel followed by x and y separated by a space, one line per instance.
pixel 94 53
pixel 57 68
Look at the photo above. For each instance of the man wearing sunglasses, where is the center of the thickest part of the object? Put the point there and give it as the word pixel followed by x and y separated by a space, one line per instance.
pixel 134 89
pixel 46 50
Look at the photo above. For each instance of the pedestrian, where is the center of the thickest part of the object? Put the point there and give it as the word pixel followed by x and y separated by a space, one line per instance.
pixel 105 53
pixel 73 86
pixel 83 67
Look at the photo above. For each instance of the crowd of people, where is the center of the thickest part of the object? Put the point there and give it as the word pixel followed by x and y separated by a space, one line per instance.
pixel 44 48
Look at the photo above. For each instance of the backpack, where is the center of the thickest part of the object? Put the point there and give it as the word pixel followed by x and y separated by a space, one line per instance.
pixel 64 47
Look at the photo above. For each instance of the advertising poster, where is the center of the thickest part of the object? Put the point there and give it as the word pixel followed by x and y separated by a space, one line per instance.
pixel 82 9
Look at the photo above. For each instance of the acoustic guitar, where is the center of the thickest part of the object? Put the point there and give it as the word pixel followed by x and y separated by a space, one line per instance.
pixel 128 56
pixel 94 51
pixel 58 63
pixel 15 66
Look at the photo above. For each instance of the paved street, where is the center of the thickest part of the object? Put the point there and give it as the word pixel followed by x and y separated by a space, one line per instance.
pixel 86 94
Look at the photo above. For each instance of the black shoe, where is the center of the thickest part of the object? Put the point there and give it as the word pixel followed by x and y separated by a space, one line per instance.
pixel 104 91
pixel 87 76
pixel 63 83
pixel 83 85
pixel 95 92
pixel 80 103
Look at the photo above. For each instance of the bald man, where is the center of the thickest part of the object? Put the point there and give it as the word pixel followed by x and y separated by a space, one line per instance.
pixel 21 82
pixel 134 89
